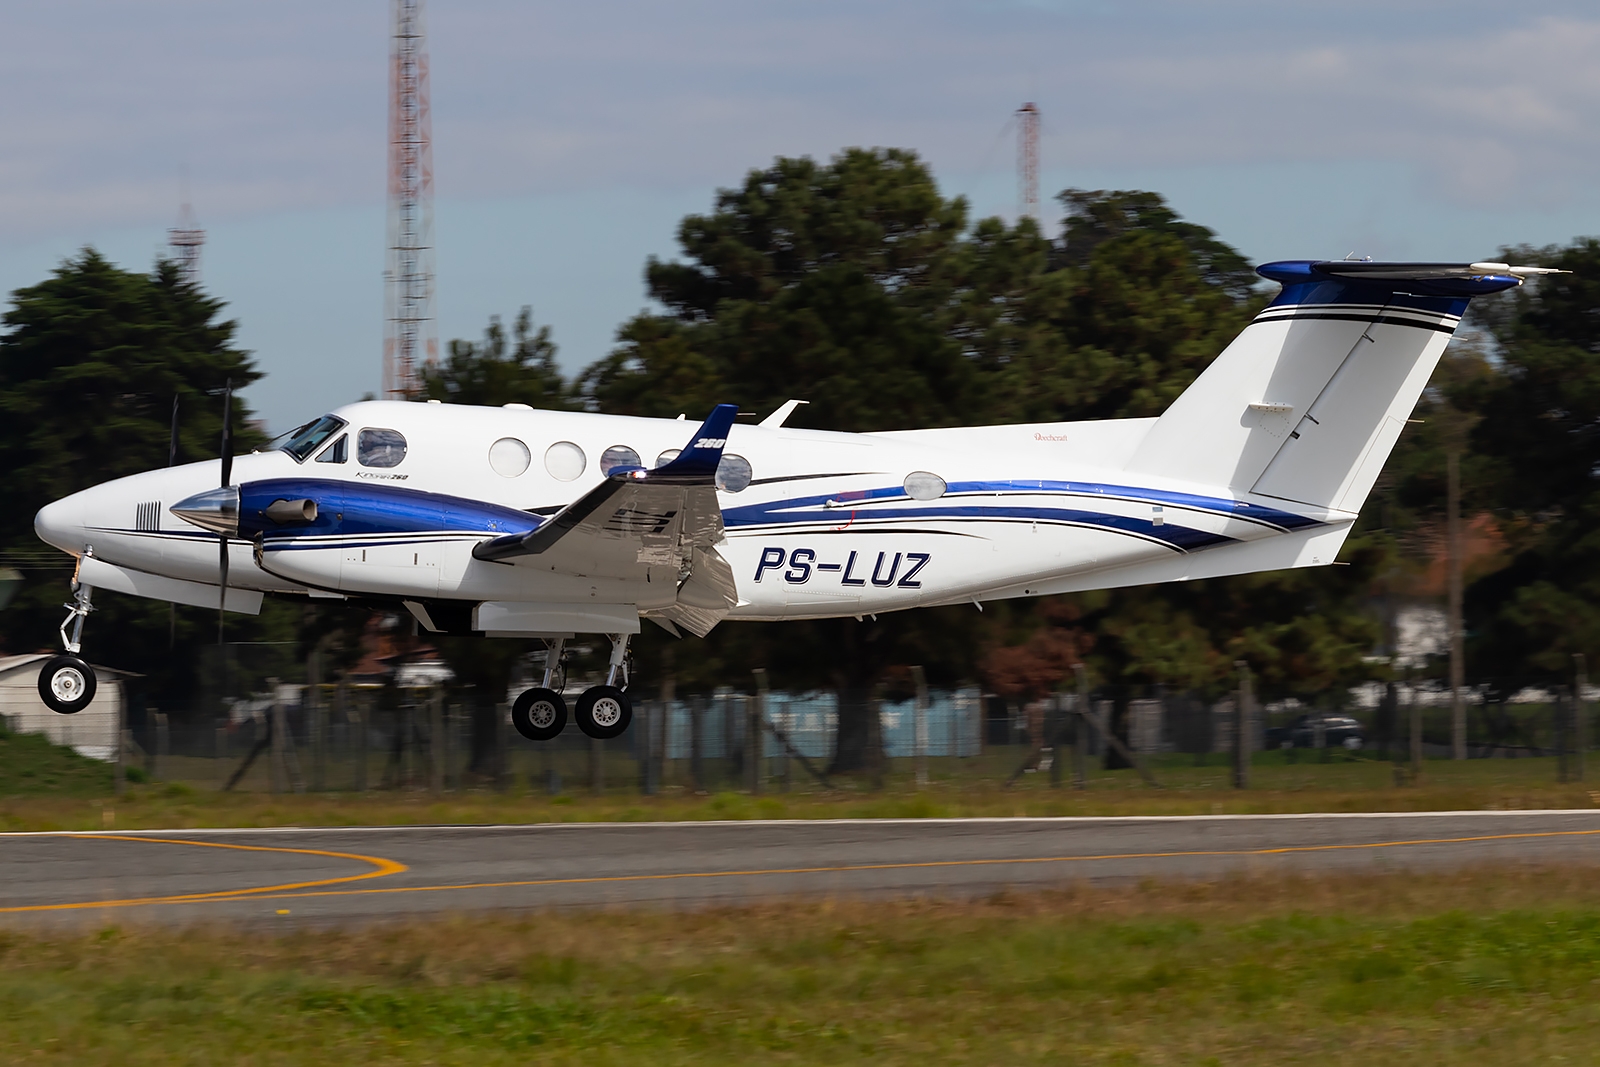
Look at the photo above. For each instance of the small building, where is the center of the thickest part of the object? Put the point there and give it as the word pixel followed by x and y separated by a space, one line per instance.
pixel 92 732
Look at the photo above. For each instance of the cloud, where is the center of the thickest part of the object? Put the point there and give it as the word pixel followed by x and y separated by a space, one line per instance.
pixel 282 108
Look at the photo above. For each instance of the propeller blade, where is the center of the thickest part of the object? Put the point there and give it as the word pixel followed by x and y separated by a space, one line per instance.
pixel 222 600
pixel 227 476
pixel 227 433
pixel 172 447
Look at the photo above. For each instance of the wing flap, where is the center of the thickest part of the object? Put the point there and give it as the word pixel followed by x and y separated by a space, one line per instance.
pixel 636 519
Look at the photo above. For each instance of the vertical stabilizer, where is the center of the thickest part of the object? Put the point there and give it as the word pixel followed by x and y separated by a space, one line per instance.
pixel 1307 402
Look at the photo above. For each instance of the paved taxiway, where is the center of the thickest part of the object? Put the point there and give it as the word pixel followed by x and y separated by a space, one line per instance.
pixel 364 874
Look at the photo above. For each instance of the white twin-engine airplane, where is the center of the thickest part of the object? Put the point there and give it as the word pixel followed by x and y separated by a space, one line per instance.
pixel 511 522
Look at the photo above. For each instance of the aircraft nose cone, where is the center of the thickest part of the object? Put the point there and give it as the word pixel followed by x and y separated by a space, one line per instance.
pixel 216 510
pixel 61 524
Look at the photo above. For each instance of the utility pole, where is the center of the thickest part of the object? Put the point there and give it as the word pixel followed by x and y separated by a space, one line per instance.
pixel 1458 706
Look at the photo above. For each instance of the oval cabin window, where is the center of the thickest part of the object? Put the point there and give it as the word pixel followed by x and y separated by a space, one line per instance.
pixel 509 457
pixel 380 448
pixel 618 456
pixel 733 473
pixel 668 456
pixel 920 485
pixel 564 461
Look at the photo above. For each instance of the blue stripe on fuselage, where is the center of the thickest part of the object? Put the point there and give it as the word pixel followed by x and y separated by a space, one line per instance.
pixel 345 508
pixel 811 509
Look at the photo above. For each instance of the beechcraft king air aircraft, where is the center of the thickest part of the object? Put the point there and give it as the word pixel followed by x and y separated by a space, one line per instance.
pixel 511 522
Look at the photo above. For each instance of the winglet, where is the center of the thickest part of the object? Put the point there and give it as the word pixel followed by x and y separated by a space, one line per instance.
pixel 697 463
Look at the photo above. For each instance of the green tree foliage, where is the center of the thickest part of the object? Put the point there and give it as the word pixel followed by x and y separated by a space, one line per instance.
pixel 494 371
pixel 1538 440
pixel 90 360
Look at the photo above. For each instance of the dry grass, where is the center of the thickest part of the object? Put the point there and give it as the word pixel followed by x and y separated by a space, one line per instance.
pixel 1483 966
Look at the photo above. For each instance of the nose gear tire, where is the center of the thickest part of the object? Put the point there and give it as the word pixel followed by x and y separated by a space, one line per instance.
pixel 603 712
pixel 66 684
pixel 539 714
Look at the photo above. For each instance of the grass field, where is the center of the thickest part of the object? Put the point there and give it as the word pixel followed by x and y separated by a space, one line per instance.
pixel 46 787
pixel 1472 968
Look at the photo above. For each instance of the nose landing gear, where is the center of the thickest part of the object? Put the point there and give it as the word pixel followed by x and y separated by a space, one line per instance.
pixel 603 711
pixel 67 682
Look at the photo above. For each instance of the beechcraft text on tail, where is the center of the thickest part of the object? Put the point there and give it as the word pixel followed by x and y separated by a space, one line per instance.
pixel 512 522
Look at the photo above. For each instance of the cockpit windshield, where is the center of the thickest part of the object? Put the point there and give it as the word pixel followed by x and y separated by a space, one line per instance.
pixel 308 438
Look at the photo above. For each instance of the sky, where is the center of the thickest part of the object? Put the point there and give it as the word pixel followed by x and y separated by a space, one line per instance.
pixel 570 139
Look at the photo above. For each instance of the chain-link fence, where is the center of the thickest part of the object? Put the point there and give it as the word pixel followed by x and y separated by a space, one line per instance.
pixel 287 735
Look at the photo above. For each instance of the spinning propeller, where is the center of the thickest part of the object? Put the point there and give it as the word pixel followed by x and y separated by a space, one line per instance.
pixel 227 476
pixel 217 509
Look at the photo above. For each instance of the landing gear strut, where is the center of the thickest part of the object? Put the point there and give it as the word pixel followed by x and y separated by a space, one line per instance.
pixel 67 682
pixel 540 713
pixel 604 711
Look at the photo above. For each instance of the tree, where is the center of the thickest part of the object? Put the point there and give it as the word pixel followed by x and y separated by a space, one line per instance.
pixel 90 361
pixel 1539 443
pixel 493 373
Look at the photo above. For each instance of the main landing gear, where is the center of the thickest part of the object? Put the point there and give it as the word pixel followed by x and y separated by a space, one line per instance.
pixel 603 711
pixel 67 682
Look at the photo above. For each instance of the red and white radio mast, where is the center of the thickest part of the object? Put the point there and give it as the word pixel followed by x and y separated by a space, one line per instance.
pixel 410 330
pixel 1028 162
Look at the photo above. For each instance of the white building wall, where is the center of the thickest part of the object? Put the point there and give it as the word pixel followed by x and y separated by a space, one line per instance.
pixel 91 732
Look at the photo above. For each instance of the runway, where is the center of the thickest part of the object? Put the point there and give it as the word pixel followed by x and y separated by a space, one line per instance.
pixel 379 873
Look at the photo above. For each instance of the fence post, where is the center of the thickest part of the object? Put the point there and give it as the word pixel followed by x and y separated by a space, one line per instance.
pixel 647 741
pixel 1054 731
pixel 754 742
pixel 1416 738
pixel 1080 737
pixel 316 720
pixel 502 761
pixel 436 740
pixel 221 762
pixel 764 714
pixel 361 735
pixel 696 743
pixel 277 727
pixel 1580 713
pixel 162 764
pixel 669 694
pixel 919 726
pixel 1241 728
pixel 120 772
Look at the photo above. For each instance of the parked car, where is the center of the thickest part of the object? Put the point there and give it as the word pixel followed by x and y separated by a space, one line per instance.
pixel 1338 731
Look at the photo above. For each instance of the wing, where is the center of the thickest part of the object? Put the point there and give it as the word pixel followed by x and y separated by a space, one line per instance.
pixel 638 518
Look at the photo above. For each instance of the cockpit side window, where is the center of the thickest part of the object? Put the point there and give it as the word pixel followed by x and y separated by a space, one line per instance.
pixel 337 452
pixel 308 438
pixel 380 448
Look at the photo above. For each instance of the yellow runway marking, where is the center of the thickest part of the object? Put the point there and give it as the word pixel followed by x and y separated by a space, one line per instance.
pixel 308 889
pixel 381 867
pixel 846 868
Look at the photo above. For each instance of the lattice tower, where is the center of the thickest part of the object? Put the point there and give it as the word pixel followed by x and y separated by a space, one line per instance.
pixel 185 239
pixel 1028 162
pixel 410 330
